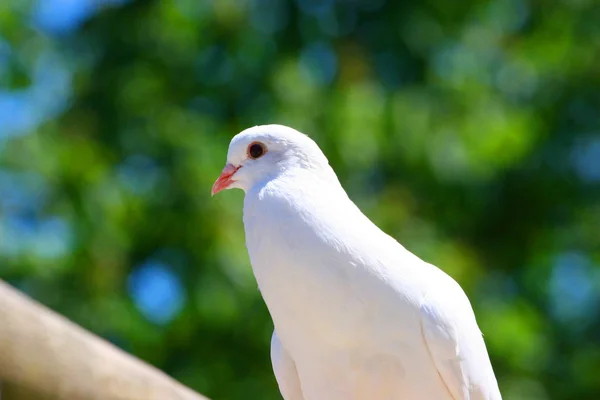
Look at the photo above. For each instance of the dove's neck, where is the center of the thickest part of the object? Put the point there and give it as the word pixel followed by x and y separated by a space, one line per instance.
pixel 305 206
pixel 302 195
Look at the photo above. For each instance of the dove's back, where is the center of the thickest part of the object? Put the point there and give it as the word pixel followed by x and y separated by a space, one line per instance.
pixel 359 316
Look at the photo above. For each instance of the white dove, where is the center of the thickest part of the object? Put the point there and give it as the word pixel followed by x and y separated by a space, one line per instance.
pixel 356 315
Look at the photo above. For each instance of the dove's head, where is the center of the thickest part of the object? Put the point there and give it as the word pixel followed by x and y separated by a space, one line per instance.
pixel 263 152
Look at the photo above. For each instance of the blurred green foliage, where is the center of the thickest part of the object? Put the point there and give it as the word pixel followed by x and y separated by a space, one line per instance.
pixel 468 130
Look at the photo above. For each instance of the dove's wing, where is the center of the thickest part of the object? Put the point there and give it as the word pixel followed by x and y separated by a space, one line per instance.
pixel 456 344
pixel 285 371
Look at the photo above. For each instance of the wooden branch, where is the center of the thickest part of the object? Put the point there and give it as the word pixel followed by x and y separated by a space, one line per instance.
pixel 44 356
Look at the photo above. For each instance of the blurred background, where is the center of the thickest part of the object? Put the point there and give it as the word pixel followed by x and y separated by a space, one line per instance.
pixel 470 131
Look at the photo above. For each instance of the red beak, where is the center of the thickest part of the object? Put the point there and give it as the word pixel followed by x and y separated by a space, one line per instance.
pixel 224 180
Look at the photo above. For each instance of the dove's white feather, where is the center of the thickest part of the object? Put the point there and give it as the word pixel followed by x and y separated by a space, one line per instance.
pixel 285 371
pixel 357 315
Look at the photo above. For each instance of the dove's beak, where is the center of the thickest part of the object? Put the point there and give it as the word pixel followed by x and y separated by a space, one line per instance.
pixel 224 180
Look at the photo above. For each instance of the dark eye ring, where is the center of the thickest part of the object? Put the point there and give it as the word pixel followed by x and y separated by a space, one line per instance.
pixel 256 150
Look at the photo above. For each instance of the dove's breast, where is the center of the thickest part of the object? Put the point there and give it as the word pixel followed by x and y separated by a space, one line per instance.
pixel 307 264
pixel 349 321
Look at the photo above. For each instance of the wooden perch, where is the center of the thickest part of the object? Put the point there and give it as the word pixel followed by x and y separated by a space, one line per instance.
pixel 44 356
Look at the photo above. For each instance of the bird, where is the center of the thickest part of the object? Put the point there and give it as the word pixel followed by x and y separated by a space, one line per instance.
pixel 356 315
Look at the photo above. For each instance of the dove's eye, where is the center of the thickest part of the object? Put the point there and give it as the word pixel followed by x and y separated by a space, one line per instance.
pixel 256 150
